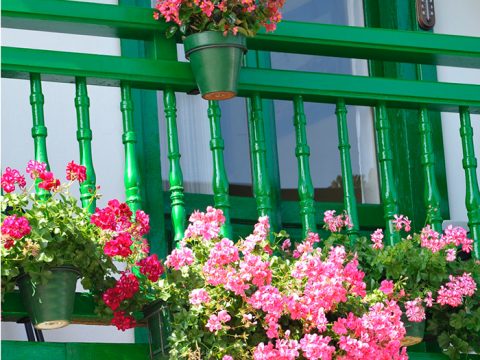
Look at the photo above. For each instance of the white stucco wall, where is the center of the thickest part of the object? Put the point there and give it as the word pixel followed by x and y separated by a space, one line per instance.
pixel 459 17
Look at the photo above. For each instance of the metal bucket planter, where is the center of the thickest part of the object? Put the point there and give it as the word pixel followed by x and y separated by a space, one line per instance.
pixel 415 332
pixel 156 315
pixel 50 304
pixel 216 61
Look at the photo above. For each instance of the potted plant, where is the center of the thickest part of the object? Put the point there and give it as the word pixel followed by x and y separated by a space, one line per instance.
pixel 48 243
pixel 215 34
pixel 261 299
pixel 430 275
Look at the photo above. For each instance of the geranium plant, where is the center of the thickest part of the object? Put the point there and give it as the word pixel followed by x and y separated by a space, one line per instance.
pixel 48 229
pixel 40 232
pixel 264 300
pixel 227 16
pixel 431 275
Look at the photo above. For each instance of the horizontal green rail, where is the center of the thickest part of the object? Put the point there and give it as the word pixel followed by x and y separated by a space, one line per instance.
pixel 21 350
pixel 292 37
pixel 274 84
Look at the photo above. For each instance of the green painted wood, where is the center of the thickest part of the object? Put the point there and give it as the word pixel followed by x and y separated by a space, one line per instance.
pixel 431 192
pixel 297 37
pixel 220 179
pixel 274 84
pixel 39 130
pixel 176 176
pixel 258 153
pixel 472 198
pixel 21 350
pixel 385 169
pixel 261 60
pixel 129 138
pixel 346 165
pixel 306 192
pixel 84 138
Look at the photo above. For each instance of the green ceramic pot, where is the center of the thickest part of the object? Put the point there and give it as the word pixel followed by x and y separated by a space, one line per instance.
pixel 415 332
pixel 50 305
pixel 156 315
pixel 216 61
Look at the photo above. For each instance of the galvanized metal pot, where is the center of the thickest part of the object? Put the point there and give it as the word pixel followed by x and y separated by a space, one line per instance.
pixel 50 304
pixel 216 61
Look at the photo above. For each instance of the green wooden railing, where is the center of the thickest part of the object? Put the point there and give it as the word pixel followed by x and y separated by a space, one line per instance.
pixel 161 71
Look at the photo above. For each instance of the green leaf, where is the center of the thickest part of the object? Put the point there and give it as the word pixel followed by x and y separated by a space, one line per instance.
pixel 171 31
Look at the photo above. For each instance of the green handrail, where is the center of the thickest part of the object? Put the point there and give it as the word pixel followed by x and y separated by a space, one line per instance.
pixel 129 139
pixel 472 198
pixel 385 168
pixel 39 130
pixel 220 179
pixel 84 138
pixel 431 192
pixel 349 200
pixel 306 191
pixel 176 175
pixel 258 153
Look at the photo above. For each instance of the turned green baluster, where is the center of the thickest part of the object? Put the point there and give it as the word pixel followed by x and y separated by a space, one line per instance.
pixel 472 199
pixel 84 137
pixel 306 191
pixel 261 185
pixel 385 168
pixel 431 192
pixel 39 130
pixel 175 176
pixel 220 179
pixel 129 139
pixel 349 200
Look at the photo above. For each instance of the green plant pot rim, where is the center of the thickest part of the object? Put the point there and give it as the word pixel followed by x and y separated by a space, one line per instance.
pixel 213 39
pixel 55 268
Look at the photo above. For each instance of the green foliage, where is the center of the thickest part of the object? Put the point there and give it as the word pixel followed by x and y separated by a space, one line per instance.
pixel 61 234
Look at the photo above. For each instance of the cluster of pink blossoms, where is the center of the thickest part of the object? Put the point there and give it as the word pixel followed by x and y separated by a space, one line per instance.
pixel 319 283
pixel 205 225
pixel 414 310
pixel 14 228
pixel 456 236
pixel 38 170
pixel 336 223
pixel 267 12
pixel 377 239
pixel 452 293
pixel 402 222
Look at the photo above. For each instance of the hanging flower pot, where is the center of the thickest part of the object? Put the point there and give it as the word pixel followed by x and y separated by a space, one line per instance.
pixel 415 332
pixel 156 315
pixel 50 304
pixel 216 61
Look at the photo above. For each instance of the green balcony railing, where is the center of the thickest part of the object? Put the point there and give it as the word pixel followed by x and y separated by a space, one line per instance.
pixel 161 71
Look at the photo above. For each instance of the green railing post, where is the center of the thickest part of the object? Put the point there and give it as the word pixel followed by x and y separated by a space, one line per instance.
pixel 431 192
pixel 472 198
pixel 387 180
pixel 84 138
pixel 258 151
pixel 176 177
pixel 39 130
pixel 220 178
pixel 306 191
pixel 349 200
pixel 129 139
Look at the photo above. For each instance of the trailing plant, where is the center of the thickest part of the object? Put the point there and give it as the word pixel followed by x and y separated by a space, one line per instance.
pixel 228 16
pixel 47 228
pixel 262 299
pixel 432 277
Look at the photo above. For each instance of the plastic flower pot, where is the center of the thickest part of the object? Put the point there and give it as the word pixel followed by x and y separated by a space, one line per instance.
pixel 156 315
pixel 216 61
pixel 415 332
pixel 50 304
